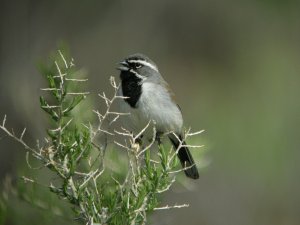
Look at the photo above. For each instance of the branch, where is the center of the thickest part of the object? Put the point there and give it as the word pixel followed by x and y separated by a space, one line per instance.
pixel 19 140
pixel 172 207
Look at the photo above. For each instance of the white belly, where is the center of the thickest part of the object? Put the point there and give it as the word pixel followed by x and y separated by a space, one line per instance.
pixel 155 104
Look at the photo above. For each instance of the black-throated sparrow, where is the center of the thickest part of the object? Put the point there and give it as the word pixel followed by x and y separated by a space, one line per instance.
pixel 150 98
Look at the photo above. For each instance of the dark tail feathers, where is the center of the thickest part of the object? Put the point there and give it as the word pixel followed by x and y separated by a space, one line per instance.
pixel 185 158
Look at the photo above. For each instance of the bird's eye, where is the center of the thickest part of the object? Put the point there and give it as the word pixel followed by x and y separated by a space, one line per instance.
pixel 137 65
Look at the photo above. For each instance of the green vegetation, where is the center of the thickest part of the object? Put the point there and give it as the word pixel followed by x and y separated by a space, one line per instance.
pixel 101 183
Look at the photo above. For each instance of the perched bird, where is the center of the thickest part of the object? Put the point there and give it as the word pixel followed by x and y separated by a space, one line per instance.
pixel 149 98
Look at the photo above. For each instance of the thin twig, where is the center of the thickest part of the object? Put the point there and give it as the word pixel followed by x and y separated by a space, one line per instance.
pixel 172 207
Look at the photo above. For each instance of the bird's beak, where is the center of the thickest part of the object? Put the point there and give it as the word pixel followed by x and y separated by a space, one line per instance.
pixel 123 66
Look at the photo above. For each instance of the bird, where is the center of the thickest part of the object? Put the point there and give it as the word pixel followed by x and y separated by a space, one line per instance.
pixel 148 97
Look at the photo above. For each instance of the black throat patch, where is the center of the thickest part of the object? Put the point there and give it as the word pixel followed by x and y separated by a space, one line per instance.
pixel 131 87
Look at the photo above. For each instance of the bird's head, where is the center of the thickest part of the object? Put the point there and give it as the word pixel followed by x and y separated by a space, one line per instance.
pixel 137 65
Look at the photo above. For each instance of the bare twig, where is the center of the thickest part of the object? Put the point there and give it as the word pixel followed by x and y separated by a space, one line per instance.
pixel 20 140
pixel 172 207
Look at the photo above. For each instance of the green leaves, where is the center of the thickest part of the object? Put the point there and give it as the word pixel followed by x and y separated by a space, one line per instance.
pixel 49 109
pixel 74 102
pixel 68 144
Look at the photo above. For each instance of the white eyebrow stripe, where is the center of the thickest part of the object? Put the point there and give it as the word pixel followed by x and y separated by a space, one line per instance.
pixel 144 63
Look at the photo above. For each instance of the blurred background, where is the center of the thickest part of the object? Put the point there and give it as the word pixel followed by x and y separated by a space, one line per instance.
pixel 234 66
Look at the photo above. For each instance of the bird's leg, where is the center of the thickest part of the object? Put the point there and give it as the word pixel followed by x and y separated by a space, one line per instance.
pixel 137 143
pixel 139 140
pixel 158 137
